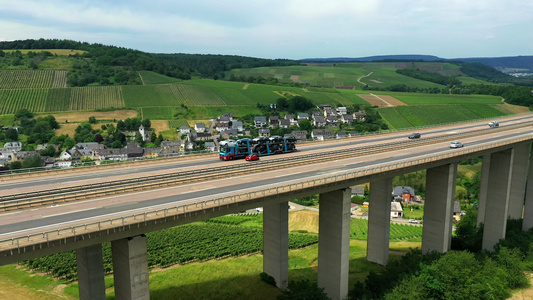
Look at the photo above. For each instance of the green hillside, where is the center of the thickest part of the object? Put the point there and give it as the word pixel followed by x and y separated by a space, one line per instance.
pixel 205 98
pixel 371 74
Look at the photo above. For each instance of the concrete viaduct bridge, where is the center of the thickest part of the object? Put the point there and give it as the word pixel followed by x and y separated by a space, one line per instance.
pixel 124 219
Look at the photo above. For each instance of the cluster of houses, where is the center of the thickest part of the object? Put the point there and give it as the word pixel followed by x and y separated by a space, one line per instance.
pixel 226 126
pixel 88 151
pixel 229 126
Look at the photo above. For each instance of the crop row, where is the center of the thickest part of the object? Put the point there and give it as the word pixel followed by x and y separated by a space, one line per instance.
pixel 22 79
pixel 178 245
pixel 32 99
pixel 91 98
pixel 60 79
pixel 359 230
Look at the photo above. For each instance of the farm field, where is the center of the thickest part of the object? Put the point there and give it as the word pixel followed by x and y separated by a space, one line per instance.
pixel 179 102
pixel 83 116
pixel 432 114
pixel 53 51
pixel 373 74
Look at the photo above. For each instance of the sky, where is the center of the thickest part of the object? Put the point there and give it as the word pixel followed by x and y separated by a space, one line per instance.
pixel 290 29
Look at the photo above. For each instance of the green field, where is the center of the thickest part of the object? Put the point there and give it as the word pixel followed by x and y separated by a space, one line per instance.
pixel 432 114
pixel 163 98
pixel 376 75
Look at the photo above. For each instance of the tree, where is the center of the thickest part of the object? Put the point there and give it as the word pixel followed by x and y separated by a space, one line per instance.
pixel 33 161
pixel 92 120
pixel 139 138
pixel 15 165
pixel 98 138
pixel 305 125
pixel 49 151
pixel 23 113
pixel 12 135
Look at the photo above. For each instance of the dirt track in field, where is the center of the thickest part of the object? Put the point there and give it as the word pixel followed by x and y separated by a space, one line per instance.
pixel 83 116
pixel 382 100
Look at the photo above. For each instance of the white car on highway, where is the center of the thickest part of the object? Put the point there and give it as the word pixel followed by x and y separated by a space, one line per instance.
pixel 456 145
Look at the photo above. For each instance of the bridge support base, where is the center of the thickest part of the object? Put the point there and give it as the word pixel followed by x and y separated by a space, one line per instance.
pixel 276 242
pixel 483 187
pixel 91 272
pixel 334 243
pixel 518 181
pixel 377 249
pixel 130 268
pixel 496 211
pixel 438 208
pixel 528 207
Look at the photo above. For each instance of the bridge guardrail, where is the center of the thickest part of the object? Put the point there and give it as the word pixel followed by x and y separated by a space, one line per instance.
pixel 117 222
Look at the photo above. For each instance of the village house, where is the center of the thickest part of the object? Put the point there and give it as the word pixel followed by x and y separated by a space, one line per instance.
pixel 347 119
pixel 224 119
pixel 404 193
pixel 264 131
pixel 210 146
pixel 358 191
pixel 63 164
pixel 291 119
pixel 283 123
pixel 237 125
pixel 332 120
pixel 199 136
pixel 341 135
pixel 303 116
pixel 322 134
pixel 341 110
pixel 185 129
pixel 300 135
pixel 221 126
pixel 13 146
pixel 151 152
pixel 146 134
pixel 359 116
pixel 226 134
pixel 7 156
pixel 199 127
pixel 226 116
pixel 260 121
pixel 274 121
pixel 396 210
pixel 319 121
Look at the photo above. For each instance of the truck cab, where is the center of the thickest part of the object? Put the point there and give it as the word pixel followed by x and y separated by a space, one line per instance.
pixel 493 124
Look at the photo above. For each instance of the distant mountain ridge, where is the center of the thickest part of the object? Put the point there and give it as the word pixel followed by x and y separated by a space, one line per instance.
pixel 509 62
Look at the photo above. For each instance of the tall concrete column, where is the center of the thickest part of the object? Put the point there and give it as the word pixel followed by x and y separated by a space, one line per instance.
pixel 518 181
pixel 438 208
pixel 334 243
pixel 91 283
pixel 130 268
pixel 484 184
pixel 377 247
pixel 528 207
pixel 276 242
pixel 496 211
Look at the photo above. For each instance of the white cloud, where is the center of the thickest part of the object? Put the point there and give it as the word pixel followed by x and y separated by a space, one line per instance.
pixel 298 28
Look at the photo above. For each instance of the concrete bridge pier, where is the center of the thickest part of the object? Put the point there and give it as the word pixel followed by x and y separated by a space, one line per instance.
pixel 482 203
pixel 518 180
pixel 498 190
pixel 276 242
pixel 528 206
pixel 130 268
pixel 334 243
pixel 91 282
pixel 438 208
pixel 379 221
